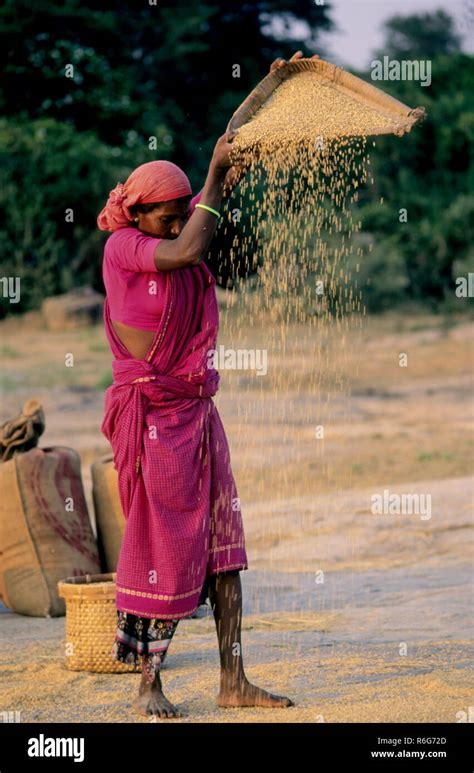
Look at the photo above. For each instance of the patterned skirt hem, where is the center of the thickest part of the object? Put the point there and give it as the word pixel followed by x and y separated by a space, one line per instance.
pixel 123 653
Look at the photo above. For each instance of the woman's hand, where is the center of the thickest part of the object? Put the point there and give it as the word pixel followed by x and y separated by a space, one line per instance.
pixel 282 62
pixel 233 171
pixel 220 160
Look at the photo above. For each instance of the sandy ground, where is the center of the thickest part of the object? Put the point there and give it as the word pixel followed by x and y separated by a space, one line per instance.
pixel 357 617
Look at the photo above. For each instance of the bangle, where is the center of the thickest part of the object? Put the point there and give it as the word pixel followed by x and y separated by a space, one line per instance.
pixel 210 209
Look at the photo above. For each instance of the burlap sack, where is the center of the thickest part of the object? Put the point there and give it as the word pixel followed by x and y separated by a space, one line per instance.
pixel 110 520
pixel 45 530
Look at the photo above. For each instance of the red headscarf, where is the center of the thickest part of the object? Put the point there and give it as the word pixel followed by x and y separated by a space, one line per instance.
pixel 154 181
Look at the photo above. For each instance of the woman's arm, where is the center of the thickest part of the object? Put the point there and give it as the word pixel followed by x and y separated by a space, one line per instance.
pixel 222 177
pixel 192 243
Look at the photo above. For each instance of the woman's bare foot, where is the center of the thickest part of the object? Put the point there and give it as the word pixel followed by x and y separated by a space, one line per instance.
pixel 246 694
pixel 151 701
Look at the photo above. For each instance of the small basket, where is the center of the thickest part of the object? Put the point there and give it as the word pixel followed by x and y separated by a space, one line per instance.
pixel 91 624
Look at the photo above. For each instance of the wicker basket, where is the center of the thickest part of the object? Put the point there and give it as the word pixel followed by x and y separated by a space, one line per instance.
pixel 91 624
pixel 402 117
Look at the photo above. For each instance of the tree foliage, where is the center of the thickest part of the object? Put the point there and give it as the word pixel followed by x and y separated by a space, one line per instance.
pixel 428 173
pixel 139 71
pixel 167 71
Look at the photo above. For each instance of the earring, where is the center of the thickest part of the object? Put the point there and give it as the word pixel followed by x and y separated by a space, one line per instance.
pixel 135 219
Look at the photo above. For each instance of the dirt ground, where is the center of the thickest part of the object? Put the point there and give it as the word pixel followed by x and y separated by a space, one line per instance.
pixel 357 617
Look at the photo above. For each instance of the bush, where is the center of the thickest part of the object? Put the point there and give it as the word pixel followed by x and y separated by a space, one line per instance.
pixel 48 169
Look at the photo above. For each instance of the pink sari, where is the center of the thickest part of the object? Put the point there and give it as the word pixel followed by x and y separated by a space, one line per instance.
pixel 176 485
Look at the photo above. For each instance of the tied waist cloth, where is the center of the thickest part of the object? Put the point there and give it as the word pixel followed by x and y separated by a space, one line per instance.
pixel 137 384
pixel 157 388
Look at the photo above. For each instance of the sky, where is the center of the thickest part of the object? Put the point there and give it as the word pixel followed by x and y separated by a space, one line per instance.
pixel 360 21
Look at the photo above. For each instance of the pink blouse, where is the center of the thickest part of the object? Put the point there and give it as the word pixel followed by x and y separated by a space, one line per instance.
pixel 134 286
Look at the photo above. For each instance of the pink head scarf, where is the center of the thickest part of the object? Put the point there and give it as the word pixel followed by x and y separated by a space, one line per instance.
pixel 154 181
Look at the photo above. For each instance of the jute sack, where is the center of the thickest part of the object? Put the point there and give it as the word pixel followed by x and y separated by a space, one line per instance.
pixel 45 530
pixel 110 520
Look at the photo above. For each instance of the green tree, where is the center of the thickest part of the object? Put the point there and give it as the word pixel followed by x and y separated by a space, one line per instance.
pixel 139 71
pixel 142 70
pixel 428 173
pixel 420 36
pixel 53 178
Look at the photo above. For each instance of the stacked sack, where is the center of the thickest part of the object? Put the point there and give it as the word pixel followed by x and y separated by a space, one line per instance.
pixel 45 529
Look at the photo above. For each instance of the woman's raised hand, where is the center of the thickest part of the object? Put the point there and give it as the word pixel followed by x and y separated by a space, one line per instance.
pixel 220 157
pixel 282 62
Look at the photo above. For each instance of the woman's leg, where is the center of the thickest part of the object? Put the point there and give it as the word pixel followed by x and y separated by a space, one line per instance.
pixel 153 660
pixel 145 641
pixel 225 594
pixel 151 699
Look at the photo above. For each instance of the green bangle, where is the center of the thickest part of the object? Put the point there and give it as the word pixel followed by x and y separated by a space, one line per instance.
pixel 210 209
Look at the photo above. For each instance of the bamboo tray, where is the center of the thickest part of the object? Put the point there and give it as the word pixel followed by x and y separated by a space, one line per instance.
pixel 401 118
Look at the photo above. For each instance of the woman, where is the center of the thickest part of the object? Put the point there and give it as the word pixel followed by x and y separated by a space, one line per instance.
pixel 184 534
